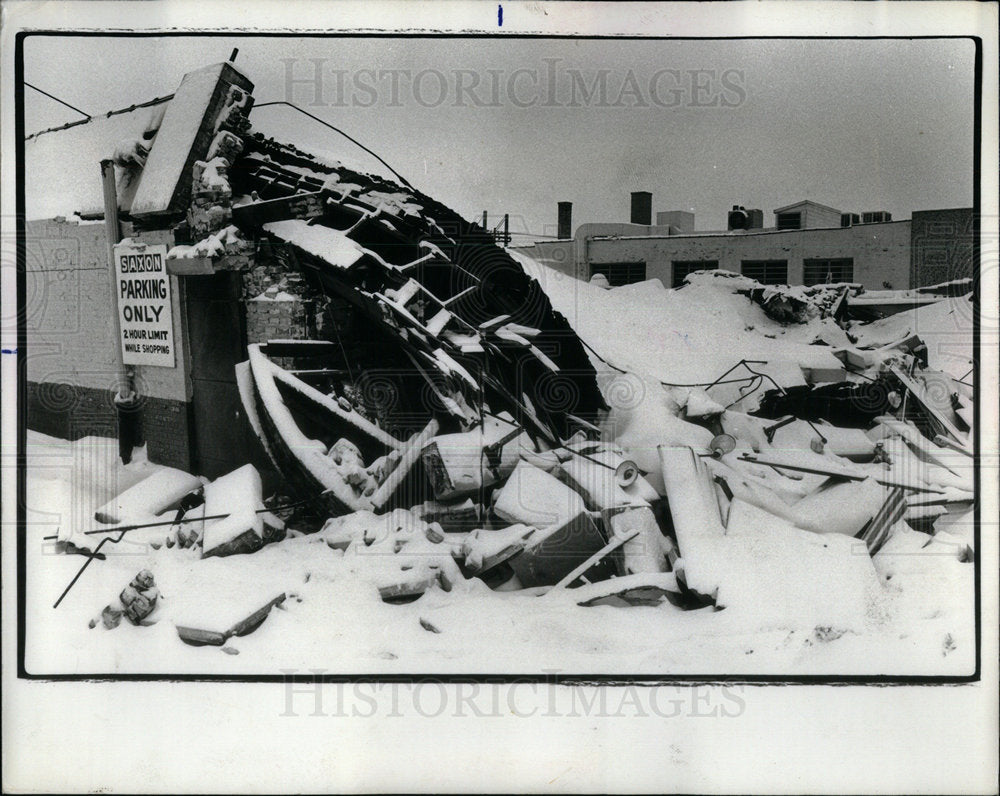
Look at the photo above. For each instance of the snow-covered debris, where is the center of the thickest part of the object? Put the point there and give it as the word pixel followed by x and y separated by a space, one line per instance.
pixel 462 463
pixel 534 497
pixel 694 508
pixel 214 615
pixel 179 130
pixel 228 240
pixel 687 336
pixel 333 246
pixel 840 507
pixel 799 303
pixel 237 494
pixel 485 549
pixel 556 552
pixel 652 420
pixel 210 175
pixel 161 491
pixel 137 602
pixel 131 152
pixel 724 445
pixel 648 550
pixel 944 326
pixel 395 553
pixel 594 472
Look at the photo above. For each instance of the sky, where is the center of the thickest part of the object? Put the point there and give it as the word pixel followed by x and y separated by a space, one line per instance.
pixel 516 125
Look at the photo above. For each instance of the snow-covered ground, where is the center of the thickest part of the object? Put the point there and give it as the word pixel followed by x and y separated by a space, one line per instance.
pixel 794 605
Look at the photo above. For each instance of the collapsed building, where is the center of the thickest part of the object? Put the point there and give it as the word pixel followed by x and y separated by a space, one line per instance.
pixel 372 354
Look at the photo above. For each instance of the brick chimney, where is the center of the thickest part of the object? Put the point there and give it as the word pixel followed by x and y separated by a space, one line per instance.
pixel 642 207
pixel 565 221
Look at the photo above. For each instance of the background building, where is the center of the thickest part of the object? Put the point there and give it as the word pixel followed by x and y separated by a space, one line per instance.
pixel 809 243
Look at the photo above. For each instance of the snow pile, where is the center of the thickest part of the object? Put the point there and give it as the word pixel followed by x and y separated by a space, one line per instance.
pixel 691 335
pixel 945 327
pixel 803 602
pixel 772 573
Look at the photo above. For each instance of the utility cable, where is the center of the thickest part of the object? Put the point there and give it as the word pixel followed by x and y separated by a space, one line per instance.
pixel 335 129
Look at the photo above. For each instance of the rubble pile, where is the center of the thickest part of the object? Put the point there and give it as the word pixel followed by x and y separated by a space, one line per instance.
pixel 679 502
pixel 450 430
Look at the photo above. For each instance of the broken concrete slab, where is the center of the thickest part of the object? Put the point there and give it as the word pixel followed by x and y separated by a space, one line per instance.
pixel 237 494
pixel 162 491
pixel 184 137
pixel 844 507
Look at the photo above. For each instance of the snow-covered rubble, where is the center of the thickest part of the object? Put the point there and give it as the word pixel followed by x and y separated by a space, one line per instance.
pixel 689 532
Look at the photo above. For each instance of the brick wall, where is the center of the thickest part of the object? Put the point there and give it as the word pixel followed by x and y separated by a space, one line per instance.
pixel 70 411
pixel 167 428
pixel 941 247
pixel 282 319
pixel 69 308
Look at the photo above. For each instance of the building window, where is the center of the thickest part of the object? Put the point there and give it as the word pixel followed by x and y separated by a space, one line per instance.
pixel 789 220
pixel 819 272
pixel 681 268
pixel 876 217
pixel 620 273
pixel 767 272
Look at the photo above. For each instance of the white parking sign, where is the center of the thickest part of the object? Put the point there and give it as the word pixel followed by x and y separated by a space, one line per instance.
pixel 145 312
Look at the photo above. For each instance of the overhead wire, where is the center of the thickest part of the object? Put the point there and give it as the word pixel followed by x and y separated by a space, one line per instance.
pixel 61 102
pixel 335 129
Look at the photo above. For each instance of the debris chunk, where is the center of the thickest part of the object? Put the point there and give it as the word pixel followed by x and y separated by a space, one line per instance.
pixel 161 491
pixel 237 494
pixel 213 618
pixel 533 497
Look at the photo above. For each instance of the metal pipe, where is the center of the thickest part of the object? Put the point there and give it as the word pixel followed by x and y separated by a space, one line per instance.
pixel 114 235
